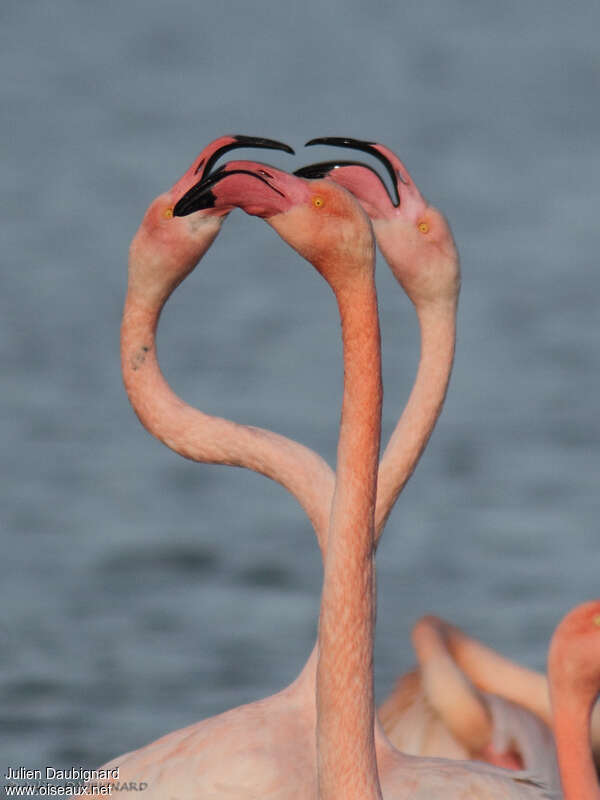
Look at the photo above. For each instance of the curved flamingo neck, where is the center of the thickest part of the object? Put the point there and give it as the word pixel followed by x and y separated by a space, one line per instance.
pixel 347 764
pixel 437 324
pixel 571 723
pixel 204 438
pixel 490 671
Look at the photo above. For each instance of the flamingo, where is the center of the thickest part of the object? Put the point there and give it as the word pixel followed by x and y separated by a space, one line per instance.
pixel 436 710
pixel 224 755
pixel 495 674
pixel 284 724
pixel 566 698
pixel 466 724
pixel 512 692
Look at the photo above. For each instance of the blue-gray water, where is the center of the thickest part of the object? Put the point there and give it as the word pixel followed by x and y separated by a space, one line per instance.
pixel 141 592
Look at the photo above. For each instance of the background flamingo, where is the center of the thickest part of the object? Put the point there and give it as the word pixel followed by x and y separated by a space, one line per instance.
pixel 499 679
pixel 436 710
pixel 573 684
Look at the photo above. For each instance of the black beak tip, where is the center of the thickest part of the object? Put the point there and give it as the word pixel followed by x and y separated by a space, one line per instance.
pixel 314 171
pixel 180 208
pixel 260 141
pixel 340 141
pixel 194 200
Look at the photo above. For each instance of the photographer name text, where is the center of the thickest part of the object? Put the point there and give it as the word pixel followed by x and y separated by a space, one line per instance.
pixel 51 773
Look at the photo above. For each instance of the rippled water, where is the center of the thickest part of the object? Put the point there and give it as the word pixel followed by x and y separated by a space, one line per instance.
pixel 141 592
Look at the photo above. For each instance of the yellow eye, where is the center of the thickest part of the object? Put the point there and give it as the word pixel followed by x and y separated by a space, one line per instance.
pixel 318 202
pixel 423 227
pixel 596 620
pixel 168 213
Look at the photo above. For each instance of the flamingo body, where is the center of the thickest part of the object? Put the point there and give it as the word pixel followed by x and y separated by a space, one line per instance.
pixel 517 739
pixel 436 710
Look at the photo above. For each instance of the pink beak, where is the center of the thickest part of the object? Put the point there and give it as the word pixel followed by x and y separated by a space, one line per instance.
pixel 258 189
pixel 202 166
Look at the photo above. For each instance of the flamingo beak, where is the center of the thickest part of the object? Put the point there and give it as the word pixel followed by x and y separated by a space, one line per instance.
pixel 373 149
pixel 201 196
pixel 203 166
pixel 313 172
pixel 359 179
pixel 258 189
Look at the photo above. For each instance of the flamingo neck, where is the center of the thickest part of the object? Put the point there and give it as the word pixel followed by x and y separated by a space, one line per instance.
pixel 490 671
pixel 571 723
pixel 208 439
pixel 347 764
pixel 437 322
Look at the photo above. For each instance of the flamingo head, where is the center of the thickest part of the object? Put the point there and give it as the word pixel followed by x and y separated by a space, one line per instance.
pixel 319 219
pixel 413 236
pixel 167 247
pixel 574 655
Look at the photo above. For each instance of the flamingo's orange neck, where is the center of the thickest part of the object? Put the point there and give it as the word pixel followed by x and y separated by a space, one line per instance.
pixel 571 722
pixel 345 698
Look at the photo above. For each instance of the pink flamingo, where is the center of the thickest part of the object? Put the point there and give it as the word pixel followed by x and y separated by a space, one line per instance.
pixel 436 710
pixel 495 731
pixel 419 249
pixel 156 268
pixel 498 675
pixel 224 755
pixel 566 698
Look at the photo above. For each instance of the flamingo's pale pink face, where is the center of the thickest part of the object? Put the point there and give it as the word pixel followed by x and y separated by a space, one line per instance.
pixel 167 247
pixel 574 656
pixel 421 254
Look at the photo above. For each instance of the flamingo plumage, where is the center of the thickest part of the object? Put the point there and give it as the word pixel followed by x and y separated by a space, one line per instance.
pixel 436 710
pixel 496 675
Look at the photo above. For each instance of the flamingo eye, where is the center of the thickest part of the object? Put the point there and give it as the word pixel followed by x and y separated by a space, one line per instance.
pixel 167 213
pixel 318 202
pixel 423 227
pixel 596 620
